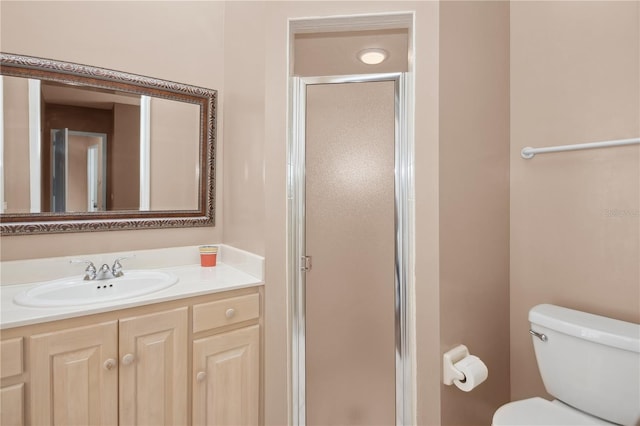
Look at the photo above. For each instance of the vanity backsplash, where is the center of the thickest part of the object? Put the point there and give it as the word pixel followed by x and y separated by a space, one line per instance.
pixel 35 270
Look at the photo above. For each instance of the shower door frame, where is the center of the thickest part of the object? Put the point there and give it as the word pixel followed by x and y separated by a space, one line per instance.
pixel 405 390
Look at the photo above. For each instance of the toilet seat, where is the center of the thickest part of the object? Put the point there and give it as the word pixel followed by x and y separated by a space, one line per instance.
pixel 539 411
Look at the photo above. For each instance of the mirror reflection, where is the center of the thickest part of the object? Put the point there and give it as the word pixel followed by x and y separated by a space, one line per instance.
pixel 94 152
pixel 78 172
pixel 92 149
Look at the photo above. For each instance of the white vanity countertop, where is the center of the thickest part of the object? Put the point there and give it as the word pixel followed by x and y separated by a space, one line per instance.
pixel 194 280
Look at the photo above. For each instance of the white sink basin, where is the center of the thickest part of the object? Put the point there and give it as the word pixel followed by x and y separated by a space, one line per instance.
pixel 76 291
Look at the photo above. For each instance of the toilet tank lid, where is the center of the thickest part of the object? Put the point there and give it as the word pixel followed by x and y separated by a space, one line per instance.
pixel 595 328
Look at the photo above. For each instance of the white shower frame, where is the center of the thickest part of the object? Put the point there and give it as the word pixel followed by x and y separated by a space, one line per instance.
pixel 404 290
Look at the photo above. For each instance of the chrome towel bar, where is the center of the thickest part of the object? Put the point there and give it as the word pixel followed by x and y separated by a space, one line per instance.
pixel 529 152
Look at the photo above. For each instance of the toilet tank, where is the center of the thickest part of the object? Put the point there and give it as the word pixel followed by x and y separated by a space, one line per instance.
pixel 589 362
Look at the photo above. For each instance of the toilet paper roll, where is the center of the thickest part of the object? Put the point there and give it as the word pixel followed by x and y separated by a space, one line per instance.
pixel 474 370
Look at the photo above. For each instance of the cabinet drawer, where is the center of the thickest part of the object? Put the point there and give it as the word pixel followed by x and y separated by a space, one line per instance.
pixel 225 312
pixel 11 357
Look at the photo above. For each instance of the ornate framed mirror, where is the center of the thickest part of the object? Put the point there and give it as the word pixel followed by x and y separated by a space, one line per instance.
pixel 93 149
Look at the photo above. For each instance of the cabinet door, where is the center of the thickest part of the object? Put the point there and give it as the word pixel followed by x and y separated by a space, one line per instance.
pixel 12 405
pixel 226 383
pixel 74 378
pixel 153 369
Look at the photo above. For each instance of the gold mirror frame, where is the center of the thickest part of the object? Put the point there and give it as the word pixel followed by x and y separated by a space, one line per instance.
pixel 77 74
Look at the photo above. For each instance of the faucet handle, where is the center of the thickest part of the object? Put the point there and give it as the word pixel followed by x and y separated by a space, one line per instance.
pixel 90 273
pixel 116 269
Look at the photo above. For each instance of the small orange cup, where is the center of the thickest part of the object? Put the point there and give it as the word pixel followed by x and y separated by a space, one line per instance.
pixel 208 256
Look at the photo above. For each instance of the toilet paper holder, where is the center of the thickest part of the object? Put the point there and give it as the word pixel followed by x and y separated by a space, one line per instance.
pixel 449 371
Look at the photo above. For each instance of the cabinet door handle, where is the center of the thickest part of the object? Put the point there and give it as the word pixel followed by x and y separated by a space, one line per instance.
pixel 109 364
pixel 201 376
pixel 230 313
pixel 128 359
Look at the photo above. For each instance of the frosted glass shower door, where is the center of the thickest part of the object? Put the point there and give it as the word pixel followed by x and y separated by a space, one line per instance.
pixel 349 212
pixel 59 166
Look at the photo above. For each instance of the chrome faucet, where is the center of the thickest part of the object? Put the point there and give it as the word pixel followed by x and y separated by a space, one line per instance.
pixel 105 272
pixel 90 273
pixel 116 269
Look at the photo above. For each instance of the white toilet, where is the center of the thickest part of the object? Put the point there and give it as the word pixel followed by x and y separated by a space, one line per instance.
pixel 591 364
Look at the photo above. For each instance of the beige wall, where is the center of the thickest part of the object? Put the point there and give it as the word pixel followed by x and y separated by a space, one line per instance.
pixel 474 200
pixel 245 126
pixel 575 226
pixel 178 41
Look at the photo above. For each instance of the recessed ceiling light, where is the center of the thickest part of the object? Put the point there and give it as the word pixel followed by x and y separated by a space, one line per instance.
pixel 372 56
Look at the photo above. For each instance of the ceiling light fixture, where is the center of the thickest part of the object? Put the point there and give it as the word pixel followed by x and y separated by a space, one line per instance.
pixel 373 56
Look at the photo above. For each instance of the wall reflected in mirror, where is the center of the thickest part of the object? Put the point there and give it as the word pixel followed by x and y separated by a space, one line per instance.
pixel 71 148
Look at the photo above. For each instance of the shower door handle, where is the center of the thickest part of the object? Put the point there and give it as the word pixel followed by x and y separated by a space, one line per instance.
pixel 306 263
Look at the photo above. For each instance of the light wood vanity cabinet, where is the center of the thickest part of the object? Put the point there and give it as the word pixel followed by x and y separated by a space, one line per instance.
pixel 226 385
pixel 12 394
pixel 191 361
